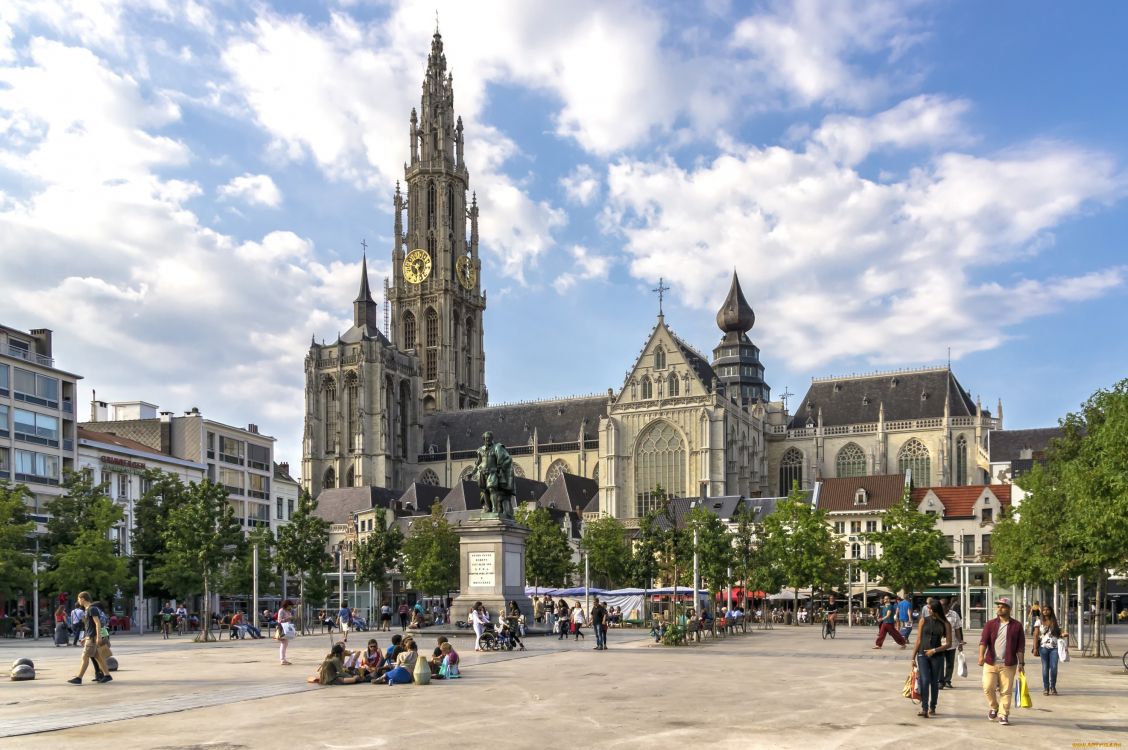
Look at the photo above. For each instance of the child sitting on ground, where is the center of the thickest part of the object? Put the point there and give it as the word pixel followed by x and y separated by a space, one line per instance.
pixel 332 670
pixel 448 669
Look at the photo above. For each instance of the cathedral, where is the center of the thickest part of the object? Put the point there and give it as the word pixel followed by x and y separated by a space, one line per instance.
pixel 407 404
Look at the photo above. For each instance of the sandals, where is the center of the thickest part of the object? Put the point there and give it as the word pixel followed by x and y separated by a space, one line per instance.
pixel 922 714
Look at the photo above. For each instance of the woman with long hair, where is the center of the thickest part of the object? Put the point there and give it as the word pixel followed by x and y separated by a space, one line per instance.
pixel 1047 631
pixel 285 629
pixel 933 637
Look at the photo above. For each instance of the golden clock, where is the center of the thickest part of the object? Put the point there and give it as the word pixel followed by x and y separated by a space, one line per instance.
pixel 465 272
pixel 417 266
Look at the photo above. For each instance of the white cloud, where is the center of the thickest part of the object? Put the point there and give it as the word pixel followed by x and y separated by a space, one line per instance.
pixel 890 271
pixel 581 185
pixel 587 266
pixel 256 189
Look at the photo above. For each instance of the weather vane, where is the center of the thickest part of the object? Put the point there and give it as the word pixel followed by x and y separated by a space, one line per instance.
pixel 661 290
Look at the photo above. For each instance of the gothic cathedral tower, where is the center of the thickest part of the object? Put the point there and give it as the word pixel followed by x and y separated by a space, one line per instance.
pixel 435 293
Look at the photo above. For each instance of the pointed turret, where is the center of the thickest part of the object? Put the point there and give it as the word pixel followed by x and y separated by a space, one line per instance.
pixel 735 315
pixel 364 307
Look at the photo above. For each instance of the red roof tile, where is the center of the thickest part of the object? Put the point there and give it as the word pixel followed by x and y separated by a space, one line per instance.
pixel 883 491
pixel 959 501
pixel 112 439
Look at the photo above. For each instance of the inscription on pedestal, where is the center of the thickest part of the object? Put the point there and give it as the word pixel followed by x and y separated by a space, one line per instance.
pixel 482 569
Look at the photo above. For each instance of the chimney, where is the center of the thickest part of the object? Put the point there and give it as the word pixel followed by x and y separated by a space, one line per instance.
pixel 253 428
pixel 284 467
pixel 42 338
pixel 166 433
pixel 99 411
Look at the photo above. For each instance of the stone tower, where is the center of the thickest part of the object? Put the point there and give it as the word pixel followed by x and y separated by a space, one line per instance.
pixel 736 359
pixel 435 293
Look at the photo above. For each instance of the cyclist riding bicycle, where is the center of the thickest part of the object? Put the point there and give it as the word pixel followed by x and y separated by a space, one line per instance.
pixel 831 614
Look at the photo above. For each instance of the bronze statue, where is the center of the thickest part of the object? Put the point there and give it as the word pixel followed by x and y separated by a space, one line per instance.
pixel 494 471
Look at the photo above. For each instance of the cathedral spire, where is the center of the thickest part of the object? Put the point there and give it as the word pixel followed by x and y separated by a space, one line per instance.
pixel 735 315
pixel 364 308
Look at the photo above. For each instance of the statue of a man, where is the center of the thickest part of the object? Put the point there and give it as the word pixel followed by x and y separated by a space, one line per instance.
pixel 494 471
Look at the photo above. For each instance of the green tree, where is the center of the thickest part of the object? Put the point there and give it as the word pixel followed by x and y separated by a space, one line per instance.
pixel 70 513
pixel 150 519
pixel 379 554
pixel 302 550
pixel 89 562
pixel 548 555
pixel 430 554
pixel 799 543
pixel 15 528
pixel 644 568
pixel 608 552
pixel 715 553
pixel 912 548
pixel 201 538
pixel 238 578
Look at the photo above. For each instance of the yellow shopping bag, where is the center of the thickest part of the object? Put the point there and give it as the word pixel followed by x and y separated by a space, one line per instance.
pixel 1024 700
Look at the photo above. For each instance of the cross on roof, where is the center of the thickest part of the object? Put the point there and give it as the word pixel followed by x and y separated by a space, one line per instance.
pixel 784 396
pixel 661 290
pixel 364 245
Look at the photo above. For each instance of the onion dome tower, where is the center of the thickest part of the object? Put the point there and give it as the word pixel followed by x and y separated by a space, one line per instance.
pixel 736 360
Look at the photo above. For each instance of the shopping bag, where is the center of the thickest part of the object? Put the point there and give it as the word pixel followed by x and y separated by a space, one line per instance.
pixel 289 631
pixel 1024 694
pixel 1063 649
pixel 912 685
pixel 961 664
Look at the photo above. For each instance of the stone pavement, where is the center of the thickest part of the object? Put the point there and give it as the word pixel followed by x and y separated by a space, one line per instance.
pixel 785 688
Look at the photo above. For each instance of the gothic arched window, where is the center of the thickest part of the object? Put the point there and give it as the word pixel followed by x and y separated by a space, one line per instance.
pixel 790 470
pixel 595 475
pixel 555 469
pixel 428 477
pixel 352 388
pixel 431 205
pixel 408 330
pixel 450 207
pixel 660 466
pixel 329 392
pixel 468 351
pixel 350 478
pixel 456 341
pixel 466 474
pixel 329 481
pixel 659 358
pixel 672 385
pixel 432 339
pixel 518 471
pixel 961 460
pixel 647 388
pixel 913 458
pixel 851 461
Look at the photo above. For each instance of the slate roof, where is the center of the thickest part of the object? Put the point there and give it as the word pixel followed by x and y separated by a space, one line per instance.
pixel 1007 445
pixel 85 433
pixel 695 360
pixel 555 420
pixel 466 496
pixel 959 501
pixel 338 504
pixel 570 493
pixel 279 473
pixel 857 400
pixel 882 490
pixel 419 498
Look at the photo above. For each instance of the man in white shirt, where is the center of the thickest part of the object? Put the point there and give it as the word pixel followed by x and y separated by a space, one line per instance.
pixel 77 616
pixel 955 646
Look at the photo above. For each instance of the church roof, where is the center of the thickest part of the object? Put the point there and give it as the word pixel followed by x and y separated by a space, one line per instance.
pixel 419 498
pixel 555 420
pixel 695 360
pixel 916 394
pixel 366 332
pixel 466 496
pixel 570 493
pixel 882 491
pixel 1008 445
pixel 338 504
pixel 735 315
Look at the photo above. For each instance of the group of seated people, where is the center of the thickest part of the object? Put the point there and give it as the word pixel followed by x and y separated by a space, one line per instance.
pixel 395 666
pixel 696 623
pixel 239 626
pixel 344 619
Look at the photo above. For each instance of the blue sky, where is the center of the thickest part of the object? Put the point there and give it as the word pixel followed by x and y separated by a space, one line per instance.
pixel 184 188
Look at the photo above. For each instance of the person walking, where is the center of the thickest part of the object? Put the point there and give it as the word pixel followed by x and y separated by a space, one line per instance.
pixel 286 630
pixel 599 624
pixel 538 610
pixel 563 614
pixel 1002 651
pixel 934 634
pixel 167 613
pixel 549 611
pixel 887 628
pixel 578 620
pixel 479 619
pixel 1045 640
pixel 92 626
pixel 956 644
pixel 404 611
pixel 77 615
pixel 62 635
pixel 905 616
pixel 385 617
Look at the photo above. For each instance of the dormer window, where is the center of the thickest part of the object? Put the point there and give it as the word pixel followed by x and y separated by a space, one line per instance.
pixel 861 497
pixel 987 515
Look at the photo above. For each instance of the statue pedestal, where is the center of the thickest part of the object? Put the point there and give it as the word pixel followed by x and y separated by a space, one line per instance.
pixel 491 556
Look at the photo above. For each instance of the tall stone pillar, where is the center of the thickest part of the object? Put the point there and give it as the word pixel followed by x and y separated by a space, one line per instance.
pixel 491 556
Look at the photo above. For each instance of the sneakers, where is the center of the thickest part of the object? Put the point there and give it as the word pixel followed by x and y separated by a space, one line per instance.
pixel 1004 720
pixel 75 681
pixel 992 715
pixel 104 678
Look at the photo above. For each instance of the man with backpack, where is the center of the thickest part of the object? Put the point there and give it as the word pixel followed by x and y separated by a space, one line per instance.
pixel 93 624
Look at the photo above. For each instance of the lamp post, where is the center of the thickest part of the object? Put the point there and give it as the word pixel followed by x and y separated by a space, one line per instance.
pixel 255 585
pixel 35 593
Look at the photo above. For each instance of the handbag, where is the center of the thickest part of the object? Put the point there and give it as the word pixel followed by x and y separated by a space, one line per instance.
pixel 288 630
pixel 1023 693
pixel 961 664
pixel 1063 649
pixel 911 689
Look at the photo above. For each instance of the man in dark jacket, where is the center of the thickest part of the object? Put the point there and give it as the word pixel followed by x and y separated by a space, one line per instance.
pixel 1002 649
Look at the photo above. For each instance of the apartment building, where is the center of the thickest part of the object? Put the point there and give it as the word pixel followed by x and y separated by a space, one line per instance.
pixel 37 423
pixel 241 459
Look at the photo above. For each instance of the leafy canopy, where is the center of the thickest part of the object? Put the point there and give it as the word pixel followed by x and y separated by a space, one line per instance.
pixel 430 553
pixel 911 548
pixel 548 555
pixel 608 551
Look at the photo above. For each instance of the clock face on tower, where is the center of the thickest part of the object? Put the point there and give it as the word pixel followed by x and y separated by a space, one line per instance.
pixel 465 272
pixel 417 266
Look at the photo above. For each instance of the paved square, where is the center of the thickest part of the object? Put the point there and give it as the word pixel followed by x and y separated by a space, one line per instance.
pixel 784 688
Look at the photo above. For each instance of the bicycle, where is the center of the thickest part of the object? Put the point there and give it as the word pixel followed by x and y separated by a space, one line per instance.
pixel 1124 660
pixel 828 629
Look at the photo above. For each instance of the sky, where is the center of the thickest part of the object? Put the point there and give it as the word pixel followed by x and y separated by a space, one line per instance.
pixel 185 186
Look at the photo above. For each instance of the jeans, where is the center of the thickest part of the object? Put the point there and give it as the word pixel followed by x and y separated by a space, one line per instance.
pixel 930 669
pixel 949 666
pixel 1049 667
pixel 78 633
pixel 600 635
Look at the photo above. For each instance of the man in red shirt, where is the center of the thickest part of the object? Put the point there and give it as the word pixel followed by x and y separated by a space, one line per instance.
pixel 1002 649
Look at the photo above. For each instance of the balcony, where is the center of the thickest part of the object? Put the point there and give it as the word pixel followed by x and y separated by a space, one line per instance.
pixel 35 479
pixel 30 356
pixel 227 459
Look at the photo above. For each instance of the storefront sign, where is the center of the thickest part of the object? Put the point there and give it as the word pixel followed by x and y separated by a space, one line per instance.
pixel 123 462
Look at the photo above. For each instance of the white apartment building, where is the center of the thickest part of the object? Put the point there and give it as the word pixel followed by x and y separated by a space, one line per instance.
pixel 241 459
pixel 37 423
pixel 285 490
